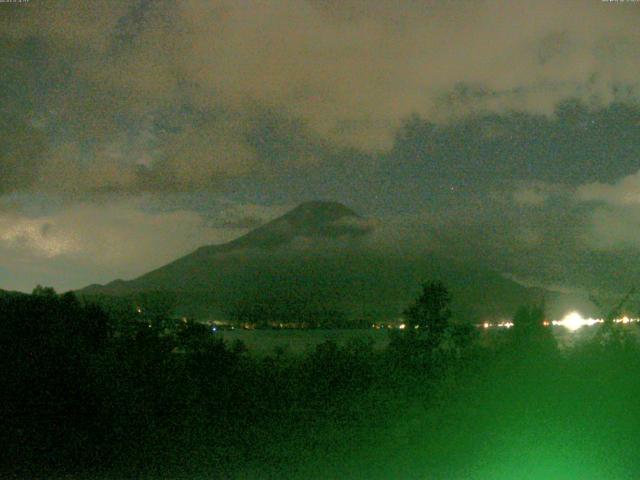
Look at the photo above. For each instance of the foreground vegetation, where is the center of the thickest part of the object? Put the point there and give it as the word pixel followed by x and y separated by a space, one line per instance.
pixel 82 395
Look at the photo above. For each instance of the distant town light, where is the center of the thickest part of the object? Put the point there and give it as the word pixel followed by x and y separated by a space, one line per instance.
pixel 573 321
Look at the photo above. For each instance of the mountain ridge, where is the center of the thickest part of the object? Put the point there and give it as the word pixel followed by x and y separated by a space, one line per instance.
pixel 316 258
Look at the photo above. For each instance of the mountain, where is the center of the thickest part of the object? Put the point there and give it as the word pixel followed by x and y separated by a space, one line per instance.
pixel 317 263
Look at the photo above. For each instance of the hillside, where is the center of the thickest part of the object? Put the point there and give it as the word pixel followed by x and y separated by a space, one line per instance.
pixel 317 263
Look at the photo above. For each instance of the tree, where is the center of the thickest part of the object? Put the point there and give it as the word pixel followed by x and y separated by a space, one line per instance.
pixel 611 334
pixel 528 318
pixel 41 291
pixel 529 331
pixel 430 312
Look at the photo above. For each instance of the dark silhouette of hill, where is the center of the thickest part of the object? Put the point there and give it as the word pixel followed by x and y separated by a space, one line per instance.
pixel 316 263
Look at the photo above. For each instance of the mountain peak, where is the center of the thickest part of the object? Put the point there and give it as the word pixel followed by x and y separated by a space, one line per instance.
pixel 315 211
pixel 313 219
pixel 322 205
pixel 313 224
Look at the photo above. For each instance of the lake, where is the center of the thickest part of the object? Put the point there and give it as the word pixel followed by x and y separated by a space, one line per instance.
pixel 264 342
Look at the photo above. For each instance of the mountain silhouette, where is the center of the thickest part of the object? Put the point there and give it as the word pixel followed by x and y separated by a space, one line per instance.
pixel 309 220
pixel 317 264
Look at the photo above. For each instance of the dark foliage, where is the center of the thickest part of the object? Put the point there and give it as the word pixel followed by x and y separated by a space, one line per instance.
pixel 529 332
pixel 84 396
pixel 431 310
pixel 47 346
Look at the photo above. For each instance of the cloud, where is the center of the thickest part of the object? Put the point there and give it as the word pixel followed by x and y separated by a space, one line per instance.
pixel 353 71
pixel 614 229
pixel 103 234
pixel 615 216
pixel 625 192
pixel 117 238
pixel 38 236
pixel 105 79
pixel 535 195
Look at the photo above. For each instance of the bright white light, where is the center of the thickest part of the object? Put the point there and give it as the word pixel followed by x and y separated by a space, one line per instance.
pixel 573 321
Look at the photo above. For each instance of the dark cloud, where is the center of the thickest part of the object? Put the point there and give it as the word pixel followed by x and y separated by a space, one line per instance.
pixel 279 81
pixel 576 145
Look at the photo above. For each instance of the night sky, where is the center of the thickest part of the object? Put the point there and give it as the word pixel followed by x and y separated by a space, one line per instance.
pixel 135 131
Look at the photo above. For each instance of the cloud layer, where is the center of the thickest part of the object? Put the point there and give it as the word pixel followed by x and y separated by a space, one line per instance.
pixel 165 95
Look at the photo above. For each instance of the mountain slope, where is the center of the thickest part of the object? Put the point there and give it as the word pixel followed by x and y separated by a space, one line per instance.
pixel 316 264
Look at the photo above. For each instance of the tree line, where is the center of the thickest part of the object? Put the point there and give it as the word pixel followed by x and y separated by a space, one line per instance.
pixel 84 389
